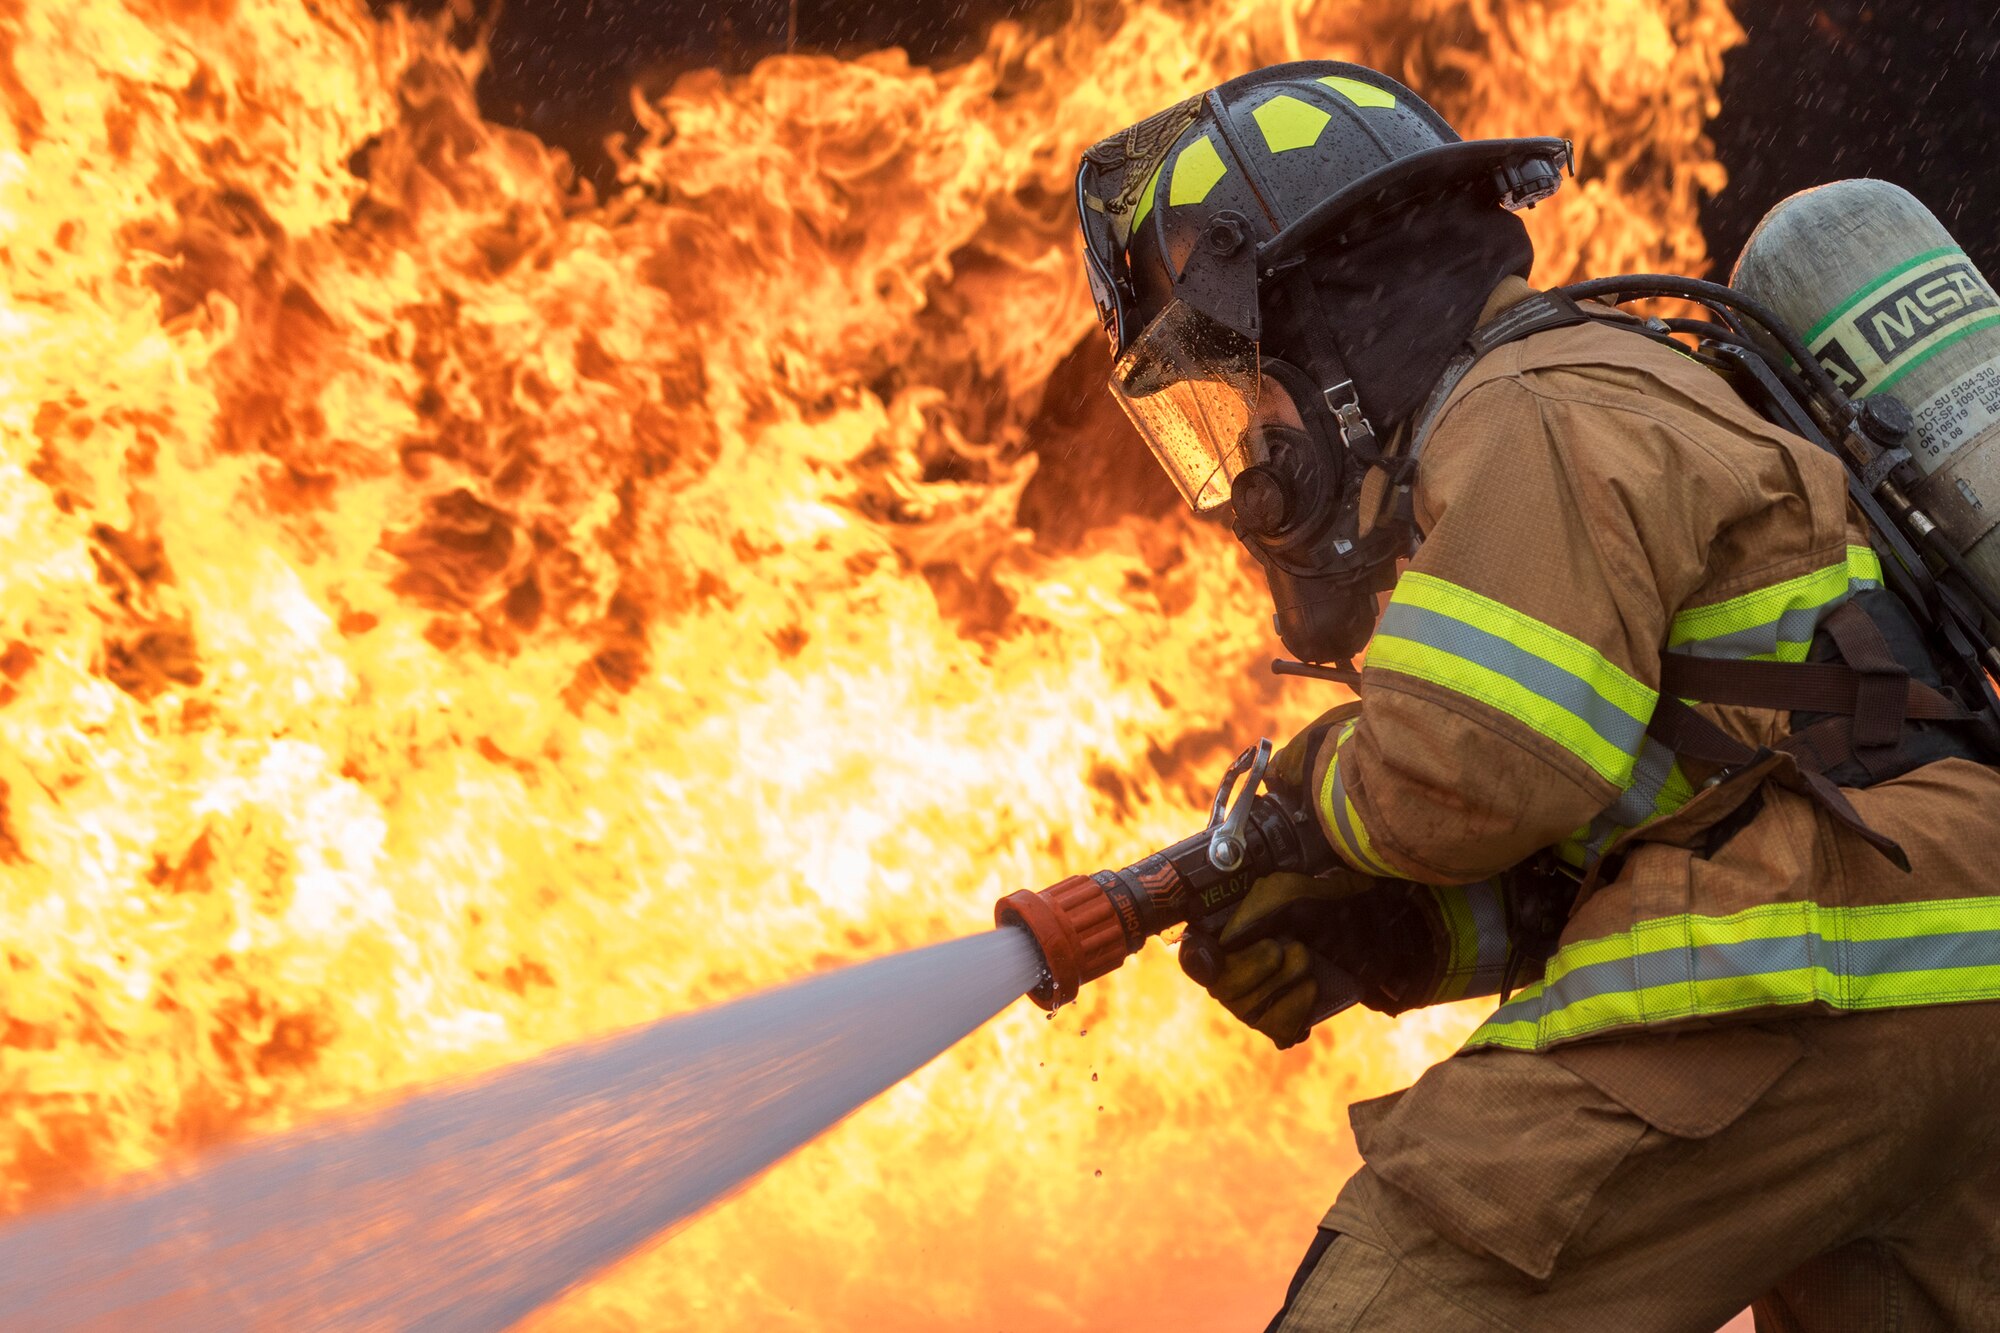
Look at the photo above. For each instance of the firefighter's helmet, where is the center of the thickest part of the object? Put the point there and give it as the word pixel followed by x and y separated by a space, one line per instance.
pixel 1189 214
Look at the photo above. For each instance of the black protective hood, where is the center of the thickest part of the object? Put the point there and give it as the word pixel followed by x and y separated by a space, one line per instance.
pixel 1394 304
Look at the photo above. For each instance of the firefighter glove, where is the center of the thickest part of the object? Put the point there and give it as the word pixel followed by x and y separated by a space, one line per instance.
pixel 1299 949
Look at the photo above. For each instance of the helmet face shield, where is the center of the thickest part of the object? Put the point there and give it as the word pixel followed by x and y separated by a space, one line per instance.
pixel 1190 385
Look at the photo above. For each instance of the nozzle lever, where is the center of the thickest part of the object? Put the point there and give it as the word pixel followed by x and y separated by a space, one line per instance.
pixel 1226 842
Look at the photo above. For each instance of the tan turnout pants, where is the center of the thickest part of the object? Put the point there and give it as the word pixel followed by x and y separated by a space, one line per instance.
pixel 1837 1172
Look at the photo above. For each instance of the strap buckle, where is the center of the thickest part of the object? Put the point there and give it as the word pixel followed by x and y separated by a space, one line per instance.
pixel 1355 432
pixel 1359 435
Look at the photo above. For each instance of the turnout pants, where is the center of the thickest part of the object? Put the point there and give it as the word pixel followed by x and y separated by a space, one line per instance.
pixel 1839 1173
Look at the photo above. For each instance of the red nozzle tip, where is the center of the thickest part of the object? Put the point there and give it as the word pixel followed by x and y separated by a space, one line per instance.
pixel 1076 927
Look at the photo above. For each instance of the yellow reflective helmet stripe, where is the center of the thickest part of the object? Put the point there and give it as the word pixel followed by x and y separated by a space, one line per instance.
pixel 1775 955
pixel 1774 623
pixel 1196 172
pixel 1359 93
pixel 1552 682
pixel 1146 197
pixel 1289 123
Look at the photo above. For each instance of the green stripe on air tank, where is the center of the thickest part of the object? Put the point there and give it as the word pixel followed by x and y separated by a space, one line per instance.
pixel 1875 284
pixel 1988 322
pixel 1902 319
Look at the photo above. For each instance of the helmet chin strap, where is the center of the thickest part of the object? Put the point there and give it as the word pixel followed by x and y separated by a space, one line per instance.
pixel 1355 431
pixel 1358 435
pixel 1336 390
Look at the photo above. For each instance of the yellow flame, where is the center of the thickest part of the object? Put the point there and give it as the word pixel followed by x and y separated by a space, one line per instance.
pixel 443 615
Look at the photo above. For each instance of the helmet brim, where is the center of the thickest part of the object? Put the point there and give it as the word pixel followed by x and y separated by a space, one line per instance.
pixel 1522 173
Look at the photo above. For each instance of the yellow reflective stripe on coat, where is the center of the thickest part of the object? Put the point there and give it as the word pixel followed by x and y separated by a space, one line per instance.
pixel 1773 956
pixel 1339 817
pixel 1659 787
pixel 1774 624
pixel 1769 624
pixel 1475 922
pixel 1549 681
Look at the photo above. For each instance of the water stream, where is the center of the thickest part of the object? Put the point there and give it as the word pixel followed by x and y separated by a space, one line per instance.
pixel 467 1206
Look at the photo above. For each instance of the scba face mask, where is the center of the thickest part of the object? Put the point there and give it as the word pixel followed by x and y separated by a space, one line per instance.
pixel 1298 510
pixel 1194 388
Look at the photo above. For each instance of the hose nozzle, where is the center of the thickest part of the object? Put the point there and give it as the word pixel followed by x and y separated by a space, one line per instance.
pixel 1075 923
pixel 1087 925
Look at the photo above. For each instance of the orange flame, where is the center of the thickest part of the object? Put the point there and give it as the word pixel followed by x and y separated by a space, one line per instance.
pixel 445 615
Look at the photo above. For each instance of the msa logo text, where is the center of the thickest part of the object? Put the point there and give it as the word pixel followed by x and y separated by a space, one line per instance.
pixel 1906 316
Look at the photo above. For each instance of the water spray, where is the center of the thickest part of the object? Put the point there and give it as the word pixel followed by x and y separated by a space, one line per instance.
pixel 466 1206
pixel 470 1205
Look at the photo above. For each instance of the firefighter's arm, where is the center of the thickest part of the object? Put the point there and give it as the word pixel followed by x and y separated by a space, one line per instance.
pixel 1511 678
pixel 1298 948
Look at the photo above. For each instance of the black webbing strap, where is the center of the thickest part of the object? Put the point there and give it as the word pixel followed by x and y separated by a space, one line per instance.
pixel 1690 735
pixel 1524 319
pixel 1807 687
pixel 1881 688
pixel 1871 695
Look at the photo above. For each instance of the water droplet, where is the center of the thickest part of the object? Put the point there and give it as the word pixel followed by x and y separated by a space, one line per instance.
pixel 1099 1173
pixel 1093 1077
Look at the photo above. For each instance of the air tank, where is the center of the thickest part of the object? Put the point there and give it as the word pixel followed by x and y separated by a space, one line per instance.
pixel 1889 303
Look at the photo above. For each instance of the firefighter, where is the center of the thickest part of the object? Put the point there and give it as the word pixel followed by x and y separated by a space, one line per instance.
pixel 1747 1051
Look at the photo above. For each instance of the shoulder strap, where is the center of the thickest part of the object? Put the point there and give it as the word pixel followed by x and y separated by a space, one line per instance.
pixel 1537 314
pixel 1687 733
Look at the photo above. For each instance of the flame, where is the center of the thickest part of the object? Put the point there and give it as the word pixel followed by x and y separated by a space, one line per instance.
pixel 446 614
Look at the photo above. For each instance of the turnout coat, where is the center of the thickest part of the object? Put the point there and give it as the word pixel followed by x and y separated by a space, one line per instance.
pixel 1589 500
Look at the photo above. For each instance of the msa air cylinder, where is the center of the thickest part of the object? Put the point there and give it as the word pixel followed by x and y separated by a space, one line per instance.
pixel 1889 303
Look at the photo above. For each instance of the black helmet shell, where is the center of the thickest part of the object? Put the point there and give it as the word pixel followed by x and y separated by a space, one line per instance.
pixel 1317 142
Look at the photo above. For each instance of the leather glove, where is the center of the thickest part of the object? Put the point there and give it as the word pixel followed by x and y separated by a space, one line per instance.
pixel 1252 963
pixel 1299 949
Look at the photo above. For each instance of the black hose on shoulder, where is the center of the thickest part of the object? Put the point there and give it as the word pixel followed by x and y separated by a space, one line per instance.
pixel 1713 294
